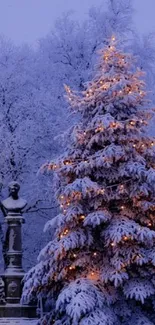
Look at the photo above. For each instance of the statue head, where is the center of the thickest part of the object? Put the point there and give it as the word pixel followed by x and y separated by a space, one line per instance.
pixel 14 188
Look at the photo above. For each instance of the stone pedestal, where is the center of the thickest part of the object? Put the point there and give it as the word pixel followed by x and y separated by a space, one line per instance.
pixel 14 273
pixel 17 311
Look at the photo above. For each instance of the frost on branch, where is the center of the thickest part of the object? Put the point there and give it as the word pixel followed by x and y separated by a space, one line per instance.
pixel 80 299
pixel 139 289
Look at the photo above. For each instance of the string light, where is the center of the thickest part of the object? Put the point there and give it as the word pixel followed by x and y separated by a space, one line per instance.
pixel 82 217
pixel 54 166
pixel 99 129
pixel 67 162
pixel 65 232
pixel 95 254
pixel 149 224
pixel 113 38
pixel 112 244
pixel 74 255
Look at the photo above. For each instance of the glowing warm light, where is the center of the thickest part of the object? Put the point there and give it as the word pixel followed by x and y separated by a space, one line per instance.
pixel 95 254
pixel 134 145
pixel 74 255
pixel 132 123
pixel 99 129
pixel 125 238
pixel 62 197
pixel 122 207
pixel 112 244
pixel 82 217
pixel 113 38
pixel 66 162
pixel 149 224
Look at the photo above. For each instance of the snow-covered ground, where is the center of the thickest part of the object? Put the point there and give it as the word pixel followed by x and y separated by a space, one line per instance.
pixel 17 321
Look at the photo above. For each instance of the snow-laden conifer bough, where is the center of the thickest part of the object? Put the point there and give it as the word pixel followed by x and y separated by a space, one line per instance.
pixel 99 269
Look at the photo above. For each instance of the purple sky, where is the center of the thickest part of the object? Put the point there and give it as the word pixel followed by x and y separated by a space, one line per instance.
pixel 27 20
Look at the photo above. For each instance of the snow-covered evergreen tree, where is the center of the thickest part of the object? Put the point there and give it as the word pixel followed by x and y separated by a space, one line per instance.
pixel 99 268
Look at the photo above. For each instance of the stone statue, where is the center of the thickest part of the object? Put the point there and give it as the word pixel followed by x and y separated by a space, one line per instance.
pixel 13 203
pixel 2 292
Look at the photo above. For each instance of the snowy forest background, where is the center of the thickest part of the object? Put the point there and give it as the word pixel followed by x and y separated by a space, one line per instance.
pixel 33 112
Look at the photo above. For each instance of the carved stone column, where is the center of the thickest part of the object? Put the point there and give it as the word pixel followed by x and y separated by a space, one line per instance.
pixel 14 272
